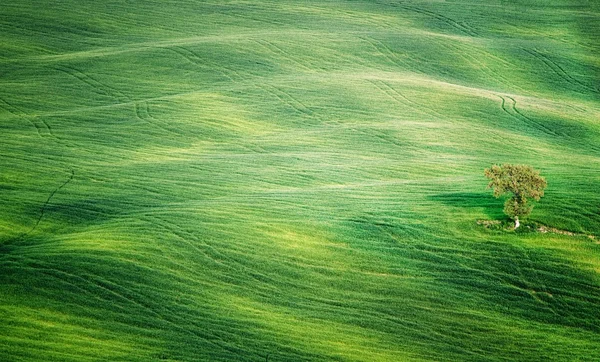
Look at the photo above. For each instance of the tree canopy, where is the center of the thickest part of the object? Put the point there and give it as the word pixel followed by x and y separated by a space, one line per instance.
pixel 523 182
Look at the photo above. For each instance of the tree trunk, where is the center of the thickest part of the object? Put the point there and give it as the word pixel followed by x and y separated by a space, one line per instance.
pixel 517 224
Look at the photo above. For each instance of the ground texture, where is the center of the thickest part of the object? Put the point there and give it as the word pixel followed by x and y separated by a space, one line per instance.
pixel 296 180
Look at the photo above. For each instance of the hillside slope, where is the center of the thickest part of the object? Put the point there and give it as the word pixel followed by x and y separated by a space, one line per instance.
pixel 292 181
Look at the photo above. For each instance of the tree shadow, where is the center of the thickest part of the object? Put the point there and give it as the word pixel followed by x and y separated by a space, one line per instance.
pixel 487 203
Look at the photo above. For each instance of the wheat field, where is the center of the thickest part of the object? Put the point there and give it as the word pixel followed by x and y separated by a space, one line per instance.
pixel 296 180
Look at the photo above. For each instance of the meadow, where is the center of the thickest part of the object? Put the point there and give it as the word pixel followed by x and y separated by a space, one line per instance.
pixel 296 180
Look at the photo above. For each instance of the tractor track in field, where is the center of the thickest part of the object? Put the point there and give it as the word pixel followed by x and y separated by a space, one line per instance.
pixel 278 51
pixel 460 26
pixel 118 292
pixel 122 18
pixel 392 57
pixel 474 266
pixel 45 205
pixel 431 255
pixel 512 110
pixel 287 99
pixel 389 55
pixel 301 108
pixel 384 51
pixel 246 17
pixel 231 74
pixel 176 231
pixel 142 112
pixel 155 222
pixel 16 112
pixel 306 111
pixel 478 64
pixel 97 86
pixel 42 128
pixel 560 71
pixel 377 23
pixel 339 58
pixel 52 272
pixel 419 107
pixel 397 96
pixel 532 30
pixel 33 32
pixel 42 211
pixel 195 59
pixel 509 106
pixel 209 251
pixel 401 99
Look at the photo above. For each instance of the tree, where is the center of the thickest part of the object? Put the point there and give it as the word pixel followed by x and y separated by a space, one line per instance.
pixel 522 181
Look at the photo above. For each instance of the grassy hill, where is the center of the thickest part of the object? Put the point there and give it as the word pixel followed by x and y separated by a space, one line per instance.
pixel 296 180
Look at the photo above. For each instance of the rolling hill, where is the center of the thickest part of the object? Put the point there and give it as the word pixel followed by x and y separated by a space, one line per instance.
pixel 296 180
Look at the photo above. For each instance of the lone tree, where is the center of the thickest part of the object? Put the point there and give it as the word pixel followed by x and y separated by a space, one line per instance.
pixel 522 182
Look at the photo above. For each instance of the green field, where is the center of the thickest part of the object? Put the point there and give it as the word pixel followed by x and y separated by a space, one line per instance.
pixel 296 180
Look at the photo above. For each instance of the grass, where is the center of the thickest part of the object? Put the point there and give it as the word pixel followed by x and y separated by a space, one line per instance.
pixel 197 180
